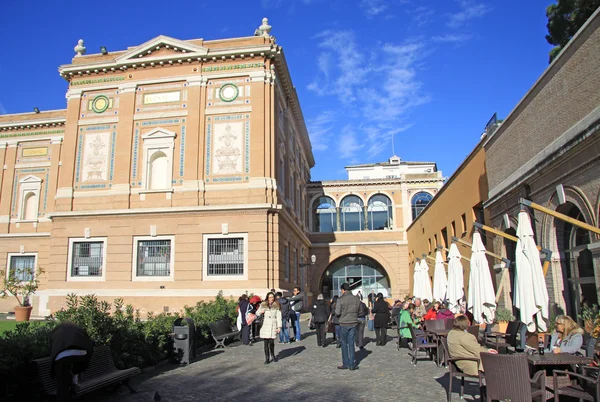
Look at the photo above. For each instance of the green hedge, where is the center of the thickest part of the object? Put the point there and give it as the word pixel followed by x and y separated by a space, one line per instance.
pixel 133 342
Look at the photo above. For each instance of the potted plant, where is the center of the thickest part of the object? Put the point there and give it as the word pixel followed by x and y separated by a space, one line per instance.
pixel 21 284
pixel 503 316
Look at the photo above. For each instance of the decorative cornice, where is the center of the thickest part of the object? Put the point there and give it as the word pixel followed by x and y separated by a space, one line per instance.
pixel 147 211
pixel 71 72
pixel 32 124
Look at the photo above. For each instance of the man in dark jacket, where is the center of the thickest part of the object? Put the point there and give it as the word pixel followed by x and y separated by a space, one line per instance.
pixel 284 335
pixel 70 355
pixel 346 309
pixel 296 302
pixel 320 313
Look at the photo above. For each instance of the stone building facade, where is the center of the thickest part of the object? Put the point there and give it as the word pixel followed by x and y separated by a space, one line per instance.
pixel 547 151
pixel 179 168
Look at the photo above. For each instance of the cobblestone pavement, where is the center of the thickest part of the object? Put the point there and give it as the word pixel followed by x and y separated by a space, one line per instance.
pixel 303 372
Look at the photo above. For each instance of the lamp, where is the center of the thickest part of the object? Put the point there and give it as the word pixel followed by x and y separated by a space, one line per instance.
pixel 103 50
pixel 36 110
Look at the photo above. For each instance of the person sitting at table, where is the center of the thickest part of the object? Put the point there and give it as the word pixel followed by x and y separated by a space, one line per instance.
pixel 444 313
pixel 463 344
pixel 432 313
pixel 405 321
pixel 567 336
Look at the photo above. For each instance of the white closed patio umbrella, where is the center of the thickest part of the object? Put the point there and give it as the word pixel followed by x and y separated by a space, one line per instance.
pixel 456 292
pixel 440 281
pixel 482 299
pixel 425 282
pixel 531 294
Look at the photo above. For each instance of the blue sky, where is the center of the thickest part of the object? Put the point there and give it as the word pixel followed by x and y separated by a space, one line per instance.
pixel 429 72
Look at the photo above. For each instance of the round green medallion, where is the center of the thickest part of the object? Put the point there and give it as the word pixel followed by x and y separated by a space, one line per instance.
pixel 100 104
pixel 229 92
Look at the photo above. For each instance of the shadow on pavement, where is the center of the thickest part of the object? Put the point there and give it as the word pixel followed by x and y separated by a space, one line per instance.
pixel 284 353
pixel 471 387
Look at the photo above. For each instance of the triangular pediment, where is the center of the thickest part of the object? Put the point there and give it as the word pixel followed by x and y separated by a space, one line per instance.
pixel 30 179
pixel 159 133
pixel 162 47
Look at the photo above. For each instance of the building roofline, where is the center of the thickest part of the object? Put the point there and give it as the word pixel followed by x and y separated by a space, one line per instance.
pixel 461 167
pixel 390 164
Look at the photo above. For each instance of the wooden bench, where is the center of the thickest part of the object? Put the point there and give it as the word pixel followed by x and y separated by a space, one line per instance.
pixel 222 330
pixel 100 373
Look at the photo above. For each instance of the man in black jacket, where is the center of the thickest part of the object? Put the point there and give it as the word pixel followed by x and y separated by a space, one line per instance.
pixel 320 312
pixel 71 353
pixel 363 312
pixel 286 310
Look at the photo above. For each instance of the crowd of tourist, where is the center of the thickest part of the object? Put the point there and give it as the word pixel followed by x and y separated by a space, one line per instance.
pixel 347 316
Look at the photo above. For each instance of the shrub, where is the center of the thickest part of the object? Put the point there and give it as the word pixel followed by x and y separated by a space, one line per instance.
pixel 18 347
pixel 132 341
pixel 203 313
pixel 503 314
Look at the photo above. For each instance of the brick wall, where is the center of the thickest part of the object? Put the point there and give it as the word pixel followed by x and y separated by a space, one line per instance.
pixel 567 92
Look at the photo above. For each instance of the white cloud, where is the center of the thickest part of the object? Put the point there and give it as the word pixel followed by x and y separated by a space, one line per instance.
pixel 469 10
pixel 422 15
pixel 373 7
pixel 348 143
pixel 319 129
pixel 451 38
pixel 375 87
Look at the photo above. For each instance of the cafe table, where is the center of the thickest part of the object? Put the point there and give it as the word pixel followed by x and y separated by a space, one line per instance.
pixel 540 362
pixel 560 359
pixel 437 335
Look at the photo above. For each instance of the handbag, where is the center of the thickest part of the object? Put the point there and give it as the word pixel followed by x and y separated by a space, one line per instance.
pixel 250 317
pixel 330 327
pixel 311 324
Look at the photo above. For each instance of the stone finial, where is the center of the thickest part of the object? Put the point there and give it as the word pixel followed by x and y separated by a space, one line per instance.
pixel 264 29
pixel 79 49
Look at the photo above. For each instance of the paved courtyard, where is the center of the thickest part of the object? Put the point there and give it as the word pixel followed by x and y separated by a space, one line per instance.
pixel 303 372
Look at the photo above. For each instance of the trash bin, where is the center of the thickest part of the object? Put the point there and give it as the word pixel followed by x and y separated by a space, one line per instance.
pixel 184 340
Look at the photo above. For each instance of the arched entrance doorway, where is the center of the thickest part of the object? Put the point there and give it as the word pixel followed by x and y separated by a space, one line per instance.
pixel 364 274
pixel 576 261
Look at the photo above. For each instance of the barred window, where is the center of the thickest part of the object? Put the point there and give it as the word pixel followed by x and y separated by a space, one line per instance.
pixel 226 256
pixel 22 267
pixel 87 259
pixel 287 262
pixel 154 258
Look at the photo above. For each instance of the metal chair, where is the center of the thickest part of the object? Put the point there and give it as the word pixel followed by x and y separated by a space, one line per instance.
pixel 474 330
pixel 499 340
pixel 434 324
pixel 507 378
pixel 588 388
pixel 454 371
pixel 417 344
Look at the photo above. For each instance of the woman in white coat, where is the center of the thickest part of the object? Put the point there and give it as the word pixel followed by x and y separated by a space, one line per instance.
pixel 271 325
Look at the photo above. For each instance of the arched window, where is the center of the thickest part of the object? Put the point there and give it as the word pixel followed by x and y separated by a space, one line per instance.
pixel 324 215
pixel 352 214
pixel 158 171
pixel 30 205
pixel 419 202
pixel 379 212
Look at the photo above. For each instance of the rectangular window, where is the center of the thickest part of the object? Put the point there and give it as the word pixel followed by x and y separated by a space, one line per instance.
pixel 454 229
pixel 296 267
pixel 87 258
pixel 445 237
pixel 153 258
pixel 478 216
pixel 286 256
pixel 22 267
pixel 435 241
pixel 463 221
pixel 226 256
